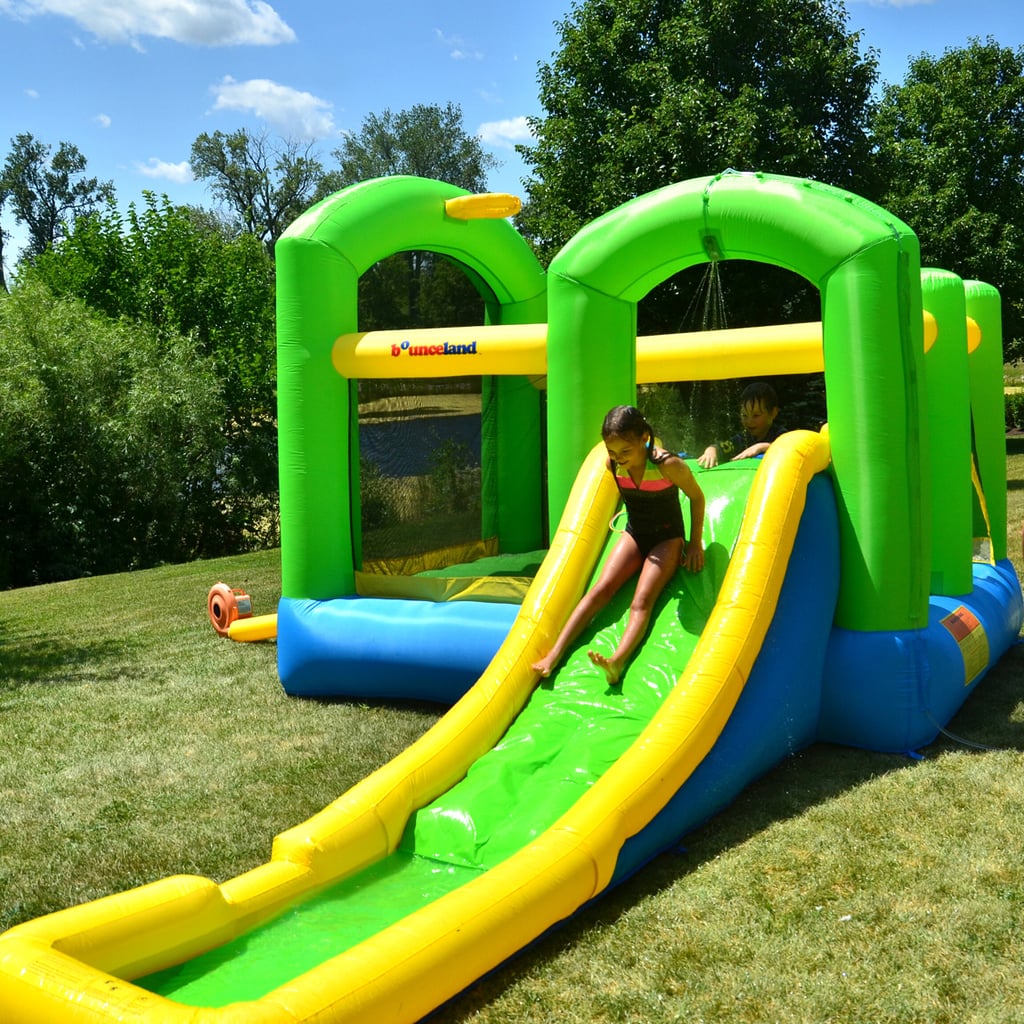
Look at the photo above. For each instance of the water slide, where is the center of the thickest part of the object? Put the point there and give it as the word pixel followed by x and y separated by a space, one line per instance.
pixel 517 808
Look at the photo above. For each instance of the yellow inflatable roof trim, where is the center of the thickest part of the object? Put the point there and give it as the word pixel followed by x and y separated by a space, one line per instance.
pixel 484 204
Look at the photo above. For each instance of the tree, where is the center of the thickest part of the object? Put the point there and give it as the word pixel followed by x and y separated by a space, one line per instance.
pixel 171 267
pixel 5 194
pixel 109 442
pixel 951 155
pixel 175 271
pixel 265 184
pixel 414 289
pixel 644 93
pixel 48 194
pixel 426 140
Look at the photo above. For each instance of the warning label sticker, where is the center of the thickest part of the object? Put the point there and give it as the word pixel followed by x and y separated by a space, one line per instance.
pixel 968 632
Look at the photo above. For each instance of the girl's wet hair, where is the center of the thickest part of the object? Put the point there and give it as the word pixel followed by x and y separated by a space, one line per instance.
pixel 626 420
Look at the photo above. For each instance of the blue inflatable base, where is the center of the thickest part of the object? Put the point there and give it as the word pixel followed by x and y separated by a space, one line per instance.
pixel 894 691
pixel 386 648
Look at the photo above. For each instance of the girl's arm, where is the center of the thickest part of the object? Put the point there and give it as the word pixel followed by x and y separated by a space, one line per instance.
pixel 679 473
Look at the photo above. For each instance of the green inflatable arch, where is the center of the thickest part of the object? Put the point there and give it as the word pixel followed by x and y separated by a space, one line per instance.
pixel 866 265
pixel 320 259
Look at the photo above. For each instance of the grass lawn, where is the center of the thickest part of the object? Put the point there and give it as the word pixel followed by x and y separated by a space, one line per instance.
pixel 844 886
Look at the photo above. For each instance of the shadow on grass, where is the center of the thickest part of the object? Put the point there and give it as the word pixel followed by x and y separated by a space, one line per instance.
pixel 993 715
pixel 31 658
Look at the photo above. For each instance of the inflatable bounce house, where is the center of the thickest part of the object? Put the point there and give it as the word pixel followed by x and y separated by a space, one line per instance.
pixel 856 591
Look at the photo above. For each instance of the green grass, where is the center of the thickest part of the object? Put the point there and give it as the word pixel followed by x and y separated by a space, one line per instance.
pixel 137 743
pixel 844 886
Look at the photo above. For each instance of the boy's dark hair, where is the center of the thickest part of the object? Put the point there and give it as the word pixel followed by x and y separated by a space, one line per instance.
pixel 626 419
pixel 760 392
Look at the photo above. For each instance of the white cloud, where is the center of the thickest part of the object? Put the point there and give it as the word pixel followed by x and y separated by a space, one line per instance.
pixel 206 23
pixel 456 47
pixel 180 174
pixel 293 114
pixel 103 120
pixel 505 134
pixel 32 94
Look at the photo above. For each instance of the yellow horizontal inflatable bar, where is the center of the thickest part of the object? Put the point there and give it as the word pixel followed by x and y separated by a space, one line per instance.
pixel 522 349
pixel 69 966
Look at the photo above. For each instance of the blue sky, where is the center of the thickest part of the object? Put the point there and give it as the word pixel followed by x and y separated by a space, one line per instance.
pixel 133 82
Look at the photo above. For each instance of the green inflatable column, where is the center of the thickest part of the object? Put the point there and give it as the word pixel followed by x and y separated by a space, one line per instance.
pixel 874 377
pixel 511 448
pixel 510 460
pixel 594 284
pixel 988 405
pixel 316 289
pixel 591 368
pixel 949 434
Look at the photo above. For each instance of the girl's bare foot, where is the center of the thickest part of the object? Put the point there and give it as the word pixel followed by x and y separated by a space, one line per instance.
pixel 610 668
pixel 545 666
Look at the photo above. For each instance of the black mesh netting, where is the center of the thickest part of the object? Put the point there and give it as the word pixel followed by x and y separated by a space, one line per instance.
pixel 420 445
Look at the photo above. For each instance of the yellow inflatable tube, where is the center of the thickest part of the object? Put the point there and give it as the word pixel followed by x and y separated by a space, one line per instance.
pixel 69 966
pixel 259 627
pixel 522 349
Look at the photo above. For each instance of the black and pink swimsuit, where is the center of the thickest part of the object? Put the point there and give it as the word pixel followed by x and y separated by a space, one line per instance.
pixel 653 509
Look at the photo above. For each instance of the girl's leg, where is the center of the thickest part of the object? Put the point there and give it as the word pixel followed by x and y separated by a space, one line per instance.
pixel 622 563
pixel 657 569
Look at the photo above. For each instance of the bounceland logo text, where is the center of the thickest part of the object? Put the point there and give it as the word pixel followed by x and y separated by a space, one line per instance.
pixel 447 348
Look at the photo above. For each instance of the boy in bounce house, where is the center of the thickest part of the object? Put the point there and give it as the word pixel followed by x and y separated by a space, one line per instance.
pixel 759 407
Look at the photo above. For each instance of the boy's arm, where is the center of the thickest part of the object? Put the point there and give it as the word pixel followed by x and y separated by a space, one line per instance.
pixel 760 447
pixel 709 459
pixel 715 453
